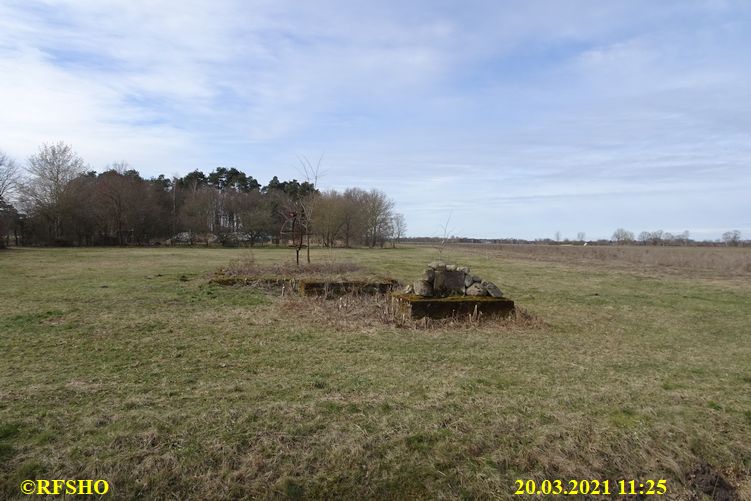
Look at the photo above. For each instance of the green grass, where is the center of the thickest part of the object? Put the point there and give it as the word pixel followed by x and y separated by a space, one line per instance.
pixel 126 365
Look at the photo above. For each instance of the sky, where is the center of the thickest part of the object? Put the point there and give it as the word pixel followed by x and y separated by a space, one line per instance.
pixel 503 118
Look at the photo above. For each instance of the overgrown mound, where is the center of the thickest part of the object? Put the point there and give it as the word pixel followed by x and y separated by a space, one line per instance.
pixel 327 278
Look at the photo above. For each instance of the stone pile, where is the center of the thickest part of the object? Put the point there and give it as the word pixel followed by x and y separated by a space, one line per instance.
pixel 444 280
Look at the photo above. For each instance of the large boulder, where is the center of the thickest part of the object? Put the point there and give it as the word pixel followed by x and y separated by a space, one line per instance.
pixel 423 288
pixel 493 290
pixel 428 275
pixel 437 265
pixel 448 283
pixel 476 289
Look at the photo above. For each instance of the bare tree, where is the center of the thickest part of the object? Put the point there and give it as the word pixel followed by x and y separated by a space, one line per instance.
pixel 8 182
pixel 297 212
pixel 353 215
pixel 445 237
pixel 399 225
pixel 330 211
pixel 198 213
pixel 684 237
pixel 255 214
pixel 622 236
pixel 732 238
pixel 51 169
pixel 307 200
pixel 9 176
pixel 377 214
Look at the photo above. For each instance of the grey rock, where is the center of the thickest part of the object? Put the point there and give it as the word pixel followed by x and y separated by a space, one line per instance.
pixel 409 289
pixel 450 267
pixel 477 290
pixel 423 288
pixel 468 280
pixel 436 265
pixel 465 269
pixel 448 283
pixel 493 290
pixel 476 279
pixel 428 275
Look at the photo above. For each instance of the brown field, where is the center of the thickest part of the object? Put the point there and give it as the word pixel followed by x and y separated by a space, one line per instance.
pixel 691 261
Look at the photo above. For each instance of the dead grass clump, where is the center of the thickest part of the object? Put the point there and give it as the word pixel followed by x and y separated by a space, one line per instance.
pixel 706 480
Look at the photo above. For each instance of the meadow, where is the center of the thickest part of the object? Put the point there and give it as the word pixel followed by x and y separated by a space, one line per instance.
pixel 128 365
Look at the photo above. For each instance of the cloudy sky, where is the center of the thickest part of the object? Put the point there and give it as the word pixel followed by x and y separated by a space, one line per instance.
pixel 514 118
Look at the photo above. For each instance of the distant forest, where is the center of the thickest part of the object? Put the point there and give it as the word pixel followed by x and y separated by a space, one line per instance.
pixel 61 203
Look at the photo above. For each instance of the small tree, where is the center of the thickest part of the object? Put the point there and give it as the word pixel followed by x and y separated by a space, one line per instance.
pixel 732 238
pixel 297 213
pixel 623 236
pixel 399 225
pixel 8 176
pixel 8 183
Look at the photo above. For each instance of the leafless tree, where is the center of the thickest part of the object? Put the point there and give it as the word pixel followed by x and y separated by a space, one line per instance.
pixel 445 236
pixel 732 238
pixel 684 237
pixel 623 236
pixel 353 214
pixel 377 215
pixel 307 201
pixel 255 214
pixel 51 169
pixel 399 225
pixel 9 175
pixel 330 217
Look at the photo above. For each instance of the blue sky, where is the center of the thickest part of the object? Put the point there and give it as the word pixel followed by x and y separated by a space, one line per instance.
pixel 516 118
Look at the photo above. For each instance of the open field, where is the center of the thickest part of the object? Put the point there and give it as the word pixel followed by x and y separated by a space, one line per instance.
pixel 126 365
pixel 728 262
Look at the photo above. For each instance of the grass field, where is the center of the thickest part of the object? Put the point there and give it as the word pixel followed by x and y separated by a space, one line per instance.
pixel 126 365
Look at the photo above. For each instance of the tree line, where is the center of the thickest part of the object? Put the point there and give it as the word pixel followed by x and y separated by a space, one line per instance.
pixel 60 202
pixel 660 237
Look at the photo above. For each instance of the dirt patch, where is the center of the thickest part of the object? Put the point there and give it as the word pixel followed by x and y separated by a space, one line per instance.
pixel 706 480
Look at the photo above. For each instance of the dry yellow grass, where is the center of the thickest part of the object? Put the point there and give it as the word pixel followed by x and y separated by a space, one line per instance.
pixel 694 261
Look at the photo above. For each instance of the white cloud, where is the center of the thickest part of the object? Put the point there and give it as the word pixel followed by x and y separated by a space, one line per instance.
pixel 531 109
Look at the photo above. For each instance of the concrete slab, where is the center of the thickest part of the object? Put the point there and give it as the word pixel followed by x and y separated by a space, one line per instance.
pixel 446 307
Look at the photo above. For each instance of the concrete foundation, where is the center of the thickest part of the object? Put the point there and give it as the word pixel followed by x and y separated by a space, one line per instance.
pixel 336 289
pixel 455 306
